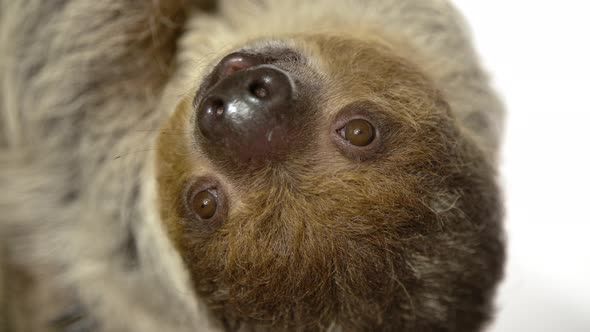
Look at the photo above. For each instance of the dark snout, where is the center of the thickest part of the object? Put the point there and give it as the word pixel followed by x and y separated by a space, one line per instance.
pixel 248 114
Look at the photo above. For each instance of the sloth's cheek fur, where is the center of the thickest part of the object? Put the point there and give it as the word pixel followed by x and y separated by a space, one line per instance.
pixel 368 209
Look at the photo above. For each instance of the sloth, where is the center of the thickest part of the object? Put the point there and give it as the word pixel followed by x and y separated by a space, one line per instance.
pixel 246 166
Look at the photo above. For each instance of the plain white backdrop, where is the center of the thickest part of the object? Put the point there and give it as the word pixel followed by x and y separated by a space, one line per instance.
pixel 538 55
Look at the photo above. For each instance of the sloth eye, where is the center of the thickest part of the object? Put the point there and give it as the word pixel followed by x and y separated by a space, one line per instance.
pixel 358 132
pixel 204 204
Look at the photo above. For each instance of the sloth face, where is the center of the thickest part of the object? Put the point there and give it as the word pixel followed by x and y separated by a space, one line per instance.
pixel 321 182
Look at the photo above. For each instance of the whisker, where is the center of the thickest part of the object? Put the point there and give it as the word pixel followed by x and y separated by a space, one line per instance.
pixel 132 153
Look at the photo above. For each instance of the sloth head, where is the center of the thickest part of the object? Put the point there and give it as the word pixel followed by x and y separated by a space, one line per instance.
pixel 322 182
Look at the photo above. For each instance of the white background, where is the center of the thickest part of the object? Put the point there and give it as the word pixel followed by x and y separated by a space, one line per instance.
pixel 538 54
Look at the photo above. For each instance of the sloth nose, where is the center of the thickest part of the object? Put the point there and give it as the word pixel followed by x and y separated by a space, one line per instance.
pixel 247 115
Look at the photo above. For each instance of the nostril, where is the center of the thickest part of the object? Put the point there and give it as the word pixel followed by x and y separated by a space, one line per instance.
pixel 211 113
pixel 215 106
pixel 218 107
pixel 269 84
pixel 258 89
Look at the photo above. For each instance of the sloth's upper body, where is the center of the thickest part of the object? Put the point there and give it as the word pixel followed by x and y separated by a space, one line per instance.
pixel 263 165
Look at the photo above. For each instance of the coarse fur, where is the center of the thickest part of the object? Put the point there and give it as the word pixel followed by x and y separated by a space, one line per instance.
pixel 96 149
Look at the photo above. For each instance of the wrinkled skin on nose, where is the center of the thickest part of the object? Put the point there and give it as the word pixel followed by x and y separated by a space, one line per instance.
pixel 248 114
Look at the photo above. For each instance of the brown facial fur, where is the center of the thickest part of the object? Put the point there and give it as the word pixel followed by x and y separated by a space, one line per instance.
pixel 405 237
